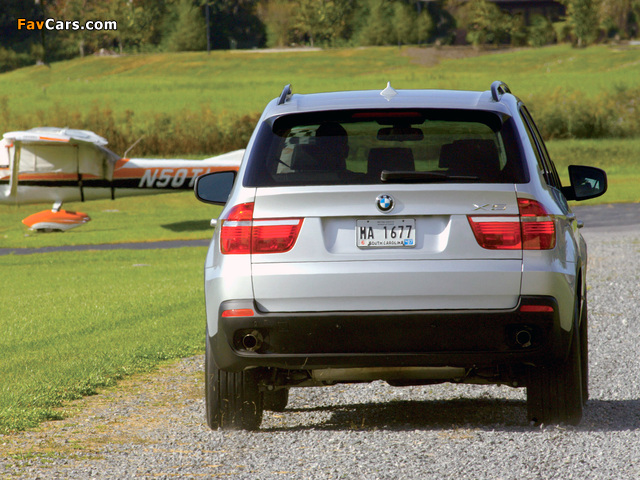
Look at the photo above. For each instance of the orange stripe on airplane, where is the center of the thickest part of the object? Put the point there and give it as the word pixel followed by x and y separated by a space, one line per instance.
pixel 54 176
pixel 122 171
pixel 121 163
pixel 51 139
pixel 130 172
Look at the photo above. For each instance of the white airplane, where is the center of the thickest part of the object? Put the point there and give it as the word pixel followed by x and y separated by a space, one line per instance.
pixel 49 164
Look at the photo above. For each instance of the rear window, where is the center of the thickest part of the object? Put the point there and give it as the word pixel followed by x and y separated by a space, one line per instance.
pixel 391 146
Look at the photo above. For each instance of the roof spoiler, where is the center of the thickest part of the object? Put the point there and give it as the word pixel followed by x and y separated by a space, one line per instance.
pixel 498 88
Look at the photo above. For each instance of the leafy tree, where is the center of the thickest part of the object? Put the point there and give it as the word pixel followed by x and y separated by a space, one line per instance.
pixel 541 31
pixel 583 19
pixel 404 23
pixel 10 60
pixel 620 17
pixel 190 29
pixel 411 23
pixel 140 23
pixel 67 43
pixel 634 18
pixel 486 23
pixel 378 30
pixel 278 21
pixel 444 17
pixel 518 31
pixel 323 22
pixel 615 13
pixel 235 23
pixel 424 26
pixel 387 22
pixel 10 36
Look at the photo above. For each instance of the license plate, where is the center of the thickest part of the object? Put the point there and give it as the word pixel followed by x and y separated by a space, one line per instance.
pixel 386 233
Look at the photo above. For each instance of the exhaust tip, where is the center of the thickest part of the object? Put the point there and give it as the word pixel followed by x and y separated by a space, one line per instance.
pixel 523 338
pixel 252 341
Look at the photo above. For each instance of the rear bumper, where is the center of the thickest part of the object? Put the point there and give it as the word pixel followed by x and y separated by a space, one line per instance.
pixel 455 338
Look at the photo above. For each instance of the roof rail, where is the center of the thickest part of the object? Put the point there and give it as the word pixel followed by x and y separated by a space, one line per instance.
pixel 285 95
pixel 498 89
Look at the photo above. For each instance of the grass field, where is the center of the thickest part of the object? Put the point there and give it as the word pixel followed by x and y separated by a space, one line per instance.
pixel 619 158
pixel 72 322
pixel 175 216
pixel 243 81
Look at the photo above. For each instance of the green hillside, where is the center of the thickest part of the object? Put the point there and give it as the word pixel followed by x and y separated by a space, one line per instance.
pixel 243 81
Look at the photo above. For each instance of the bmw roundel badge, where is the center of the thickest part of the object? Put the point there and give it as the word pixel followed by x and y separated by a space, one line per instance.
pixel 385 203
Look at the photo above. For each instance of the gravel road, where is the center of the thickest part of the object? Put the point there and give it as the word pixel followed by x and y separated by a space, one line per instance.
pixel 152 426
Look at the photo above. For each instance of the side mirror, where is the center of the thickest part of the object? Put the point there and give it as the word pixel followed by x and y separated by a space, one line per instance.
pixel 214 187
pixel 586 182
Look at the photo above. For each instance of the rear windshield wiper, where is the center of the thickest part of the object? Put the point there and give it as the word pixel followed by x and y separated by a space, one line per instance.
pixel 423 177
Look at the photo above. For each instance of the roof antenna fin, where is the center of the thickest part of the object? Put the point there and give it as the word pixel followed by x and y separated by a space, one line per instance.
pixel 388 93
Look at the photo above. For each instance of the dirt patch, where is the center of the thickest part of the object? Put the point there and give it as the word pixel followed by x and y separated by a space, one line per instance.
pixel 128 413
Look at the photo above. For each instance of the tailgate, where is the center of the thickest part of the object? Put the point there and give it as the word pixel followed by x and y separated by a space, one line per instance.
pixel 441 265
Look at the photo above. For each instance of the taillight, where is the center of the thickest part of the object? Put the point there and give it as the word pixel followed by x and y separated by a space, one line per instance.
pixel 497 233
pixel 533 229
pixel 275 235
pixel 538 228
pixel 235 232
pixel 242 234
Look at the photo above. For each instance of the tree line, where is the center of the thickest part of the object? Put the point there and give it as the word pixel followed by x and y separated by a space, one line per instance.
pixel 196 25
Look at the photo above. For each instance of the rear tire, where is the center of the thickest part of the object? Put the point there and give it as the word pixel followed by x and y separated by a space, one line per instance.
pixel 277 400
pixel 554 392
pixel 233 399
pixel 584 351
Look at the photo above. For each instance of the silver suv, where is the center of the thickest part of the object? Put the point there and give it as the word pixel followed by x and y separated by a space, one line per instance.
pixel 410 236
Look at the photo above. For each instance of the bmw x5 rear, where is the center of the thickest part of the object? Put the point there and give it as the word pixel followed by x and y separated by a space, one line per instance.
pixel 411 236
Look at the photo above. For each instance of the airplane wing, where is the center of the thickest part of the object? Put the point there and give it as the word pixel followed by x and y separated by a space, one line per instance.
pixel 49 164
pixel 66 150
pixel 52 157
